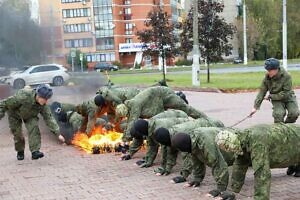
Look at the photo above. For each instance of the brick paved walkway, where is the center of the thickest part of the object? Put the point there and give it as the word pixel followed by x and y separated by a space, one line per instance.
pixel 68 173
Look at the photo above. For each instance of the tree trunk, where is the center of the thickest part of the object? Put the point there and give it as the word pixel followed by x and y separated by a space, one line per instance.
pixel 208 72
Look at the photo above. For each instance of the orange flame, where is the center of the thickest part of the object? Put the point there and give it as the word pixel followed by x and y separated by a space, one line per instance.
pixel 99 138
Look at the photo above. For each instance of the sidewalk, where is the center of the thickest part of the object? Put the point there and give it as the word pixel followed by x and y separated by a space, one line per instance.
pixel 69 173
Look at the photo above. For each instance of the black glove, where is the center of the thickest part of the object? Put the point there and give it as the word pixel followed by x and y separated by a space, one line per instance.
pixel 214 193
pixel 226 195
pixel 194 183
pixel 126 157
pixel 140 162
pixel 179 179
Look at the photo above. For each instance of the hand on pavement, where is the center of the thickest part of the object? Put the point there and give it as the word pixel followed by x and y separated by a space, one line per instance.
pixel 61 138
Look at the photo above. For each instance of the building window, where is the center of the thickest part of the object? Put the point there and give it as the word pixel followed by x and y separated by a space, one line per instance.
pixel 127 10
pixel 103 18
pixel 105 43
pixel 70 1
pixel 80 12
pixel 128 40
pixel 128 28
pixel 102 57
pixel 74 1
pixel 77 28
pixel 102 2
pixel 85 42
pixel 127 2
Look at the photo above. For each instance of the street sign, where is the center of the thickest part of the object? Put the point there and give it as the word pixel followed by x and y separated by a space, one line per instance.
pixel 73 53
pixel 81 57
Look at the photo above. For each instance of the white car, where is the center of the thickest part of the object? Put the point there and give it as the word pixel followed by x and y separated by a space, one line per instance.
pixel 49 73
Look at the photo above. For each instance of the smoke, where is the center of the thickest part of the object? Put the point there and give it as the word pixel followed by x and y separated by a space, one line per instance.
pixel 20 38
pixel 81 87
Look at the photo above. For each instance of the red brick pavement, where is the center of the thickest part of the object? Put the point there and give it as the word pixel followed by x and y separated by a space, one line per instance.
pixel 68 173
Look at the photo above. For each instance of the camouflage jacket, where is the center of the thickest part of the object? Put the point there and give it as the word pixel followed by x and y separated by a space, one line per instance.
pixel 279 87
pixel 154 100
pixel 206 152
pixel 90 111
pixel 144 105
pixel 152 145
pixel 65 107
pixel 23 105
pixel 117 95
pixel 169 160
pixel 75 119
pixel 265 147
pixel 170 113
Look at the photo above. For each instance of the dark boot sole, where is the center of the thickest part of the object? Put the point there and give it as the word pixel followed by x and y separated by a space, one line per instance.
pixel 20 158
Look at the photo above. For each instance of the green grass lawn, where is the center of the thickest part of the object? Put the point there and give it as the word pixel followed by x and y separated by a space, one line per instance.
pixel 232 81
pixel 189 68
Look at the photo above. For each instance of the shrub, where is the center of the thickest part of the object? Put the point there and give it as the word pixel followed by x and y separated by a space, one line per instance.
pixel 137 66
pixel 183 62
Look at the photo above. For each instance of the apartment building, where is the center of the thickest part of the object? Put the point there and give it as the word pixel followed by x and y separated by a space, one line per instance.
pixel 230 14
pixel 104 30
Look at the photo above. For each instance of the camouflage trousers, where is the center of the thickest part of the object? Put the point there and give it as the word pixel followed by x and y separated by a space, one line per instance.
pixel 280 108
pixel 34 136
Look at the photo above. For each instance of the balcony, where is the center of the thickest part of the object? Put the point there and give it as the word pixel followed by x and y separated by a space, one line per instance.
pixel 127 16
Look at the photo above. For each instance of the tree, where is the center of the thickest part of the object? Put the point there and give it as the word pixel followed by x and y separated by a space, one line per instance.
pixel 214 33
pixel 77 61
pixel 266 17
pixel 253 38
pixel 20 39
pixel 158 37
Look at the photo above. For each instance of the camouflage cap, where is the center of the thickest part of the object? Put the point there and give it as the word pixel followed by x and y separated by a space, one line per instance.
pixel 121 110
pixel 229 141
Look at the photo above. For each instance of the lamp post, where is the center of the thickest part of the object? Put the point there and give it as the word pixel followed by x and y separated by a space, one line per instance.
pixel 245 33
pixel 196 52
pixel 284 35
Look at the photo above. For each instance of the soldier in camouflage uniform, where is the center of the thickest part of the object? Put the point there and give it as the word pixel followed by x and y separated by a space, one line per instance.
pixel 111 98
pixel 57 107
pixel 117 96
pixel 152 101
pixel 263 146
pixel 279 84
pixel 201 144
pixel 87 109
pixel 90 111
pixel 145 128
pixel 25 106
pixel 76 120
pixel 169 154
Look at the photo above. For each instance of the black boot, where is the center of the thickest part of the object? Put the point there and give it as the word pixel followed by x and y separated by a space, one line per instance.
pixel 37 155
pixel 297 171
pixel 291 170
pixel 20 155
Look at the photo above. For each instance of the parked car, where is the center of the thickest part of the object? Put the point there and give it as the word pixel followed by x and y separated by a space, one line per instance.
pixel 104 66
pixel 237 61
pixel 4 71
pixel 53 74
